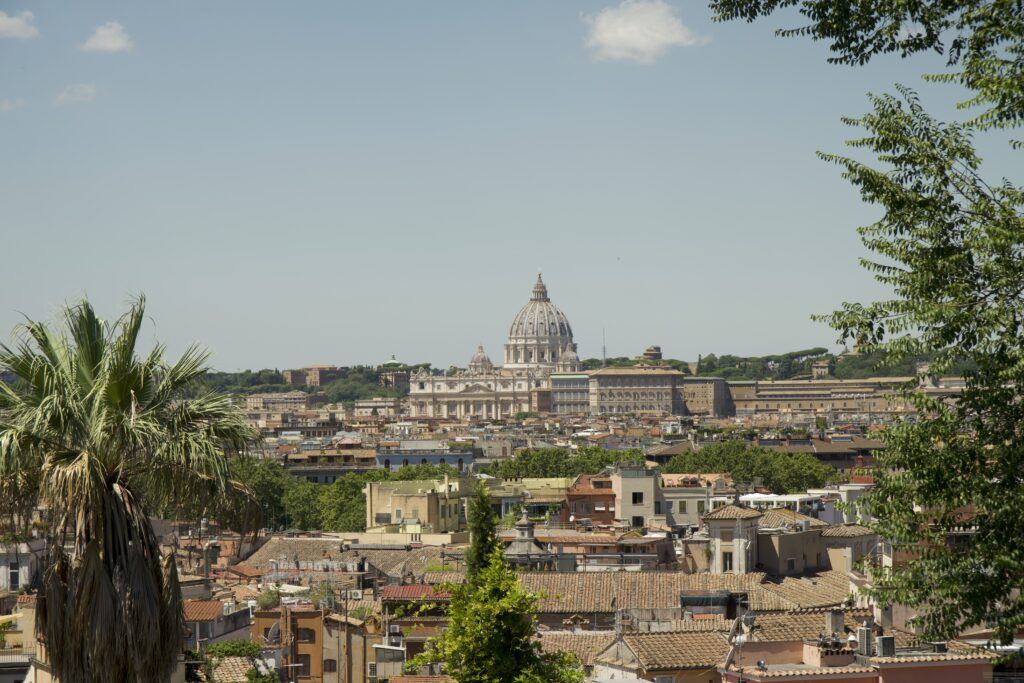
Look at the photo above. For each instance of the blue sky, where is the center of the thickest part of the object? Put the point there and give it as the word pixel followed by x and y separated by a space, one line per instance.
pixel 294 183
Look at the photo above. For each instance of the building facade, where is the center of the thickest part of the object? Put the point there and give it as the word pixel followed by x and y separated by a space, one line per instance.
pixel 539 343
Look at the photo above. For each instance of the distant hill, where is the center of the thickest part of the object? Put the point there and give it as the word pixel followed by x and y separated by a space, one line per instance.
pixel 792 365
pixel 358 382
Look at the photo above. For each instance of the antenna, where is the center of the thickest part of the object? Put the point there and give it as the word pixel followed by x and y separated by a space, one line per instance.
pixel 604 350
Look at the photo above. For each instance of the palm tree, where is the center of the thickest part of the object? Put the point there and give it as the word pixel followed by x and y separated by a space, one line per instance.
pixel 114 436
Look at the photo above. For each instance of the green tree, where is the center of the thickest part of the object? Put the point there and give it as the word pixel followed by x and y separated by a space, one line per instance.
pixel 268 599
pixel 301 503
pixel 268 481
pixel 778 472
pixel 560 462
pixel 483 539
pixel 234 648
pixel 492 621
pixel 113 437
pixel 950 246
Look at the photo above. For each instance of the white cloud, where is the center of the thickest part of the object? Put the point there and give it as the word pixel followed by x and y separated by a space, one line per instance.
pixel 110 37
pixel 638 31
pixel 8 104
pixel 18 25
pixel 77 92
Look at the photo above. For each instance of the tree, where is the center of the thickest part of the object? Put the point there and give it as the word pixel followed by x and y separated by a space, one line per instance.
pixel 113 436
pixel 302 505
pixel 483 539
pixel 492 621
pixel 950 246
pixel 234 648
pixel 778 472
pixel 986 40
pixel 268 481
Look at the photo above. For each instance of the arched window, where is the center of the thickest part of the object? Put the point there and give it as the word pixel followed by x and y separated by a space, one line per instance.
pixel 387 464
pixel 460 464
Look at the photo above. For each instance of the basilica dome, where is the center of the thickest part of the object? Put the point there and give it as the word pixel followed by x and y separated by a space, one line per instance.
pixel 539 333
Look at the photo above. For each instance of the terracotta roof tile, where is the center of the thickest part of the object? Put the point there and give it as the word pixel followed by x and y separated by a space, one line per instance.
pixel 733 512
pixel 416 591
pixel 232 669
pixel 203 610
pixel 778 517
pixel 586 645
pixel 846 531
pixel 668 650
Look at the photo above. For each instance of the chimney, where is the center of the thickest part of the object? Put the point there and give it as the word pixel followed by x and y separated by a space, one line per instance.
pixel 834 622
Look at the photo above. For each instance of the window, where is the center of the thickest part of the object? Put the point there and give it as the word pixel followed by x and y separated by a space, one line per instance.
pixel 726 562
pixel 306 635
pixel 682 507
pixel 791 564
pixel 303 665
pixel 638 521
pixel 700 507
pixel 14 577
pixel 330 666
pixel 638 497
pixel 657 507
pixel 817 559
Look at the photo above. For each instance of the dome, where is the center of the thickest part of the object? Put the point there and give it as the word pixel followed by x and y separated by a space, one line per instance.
pixel 540 318
pixel 480 362
pixel 538 335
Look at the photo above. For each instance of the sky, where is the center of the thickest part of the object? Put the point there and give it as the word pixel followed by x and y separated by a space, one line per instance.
pixel 342 182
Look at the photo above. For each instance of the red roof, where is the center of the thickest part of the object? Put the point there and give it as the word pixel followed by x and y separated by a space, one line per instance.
pixel 26 599
pixel 203 610
pixel 415 591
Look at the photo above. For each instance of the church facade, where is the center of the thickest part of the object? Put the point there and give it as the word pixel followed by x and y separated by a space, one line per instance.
pixel 539 343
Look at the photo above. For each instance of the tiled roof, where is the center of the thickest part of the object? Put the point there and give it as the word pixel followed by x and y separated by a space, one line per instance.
pixel 416 591
pixel 232 669
pixel 26 599
pixel 801 625
pixel 203 610
pixel 585 645
pixel 733 512
pixel 846 531
pixel 669 650
pixel 778 517
pixel 589 592
pixel 780 671
pixel 436 578
pixel 824 589
pixel 393 562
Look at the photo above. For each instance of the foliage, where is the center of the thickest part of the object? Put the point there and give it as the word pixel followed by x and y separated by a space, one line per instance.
pixel 489 639
pixel 323 595
pixel 951 247
pixel 778 472
pixel 233 648
pixel 268 599
pixel 268 481
pixel 341 506
pixel 301 503
pixel 254 676
pixel 115 437
pixel 354 383
pixel 987 40
pixel 483 539
pixel 559 462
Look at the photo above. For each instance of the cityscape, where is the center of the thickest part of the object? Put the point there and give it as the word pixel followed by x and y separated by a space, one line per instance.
pixel 408 456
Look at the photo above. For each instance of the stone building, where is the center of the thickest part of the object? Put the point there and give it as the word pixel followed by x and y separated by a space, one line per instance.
pixel 636 390
pixel 539 343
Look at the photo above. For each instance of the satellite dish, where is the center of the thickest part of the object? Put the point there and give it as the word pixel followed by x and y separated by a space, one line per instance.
pixel 274 635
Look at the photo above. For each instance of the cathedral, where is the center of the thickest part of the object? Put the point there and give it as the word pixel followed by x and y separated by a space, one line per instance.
pixel 539 343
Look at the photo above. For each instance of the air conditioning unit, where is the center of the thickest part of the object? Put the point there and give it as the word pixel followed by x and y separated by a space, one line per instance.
pixel 887 646
pixel 395 630
pixel 355 594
